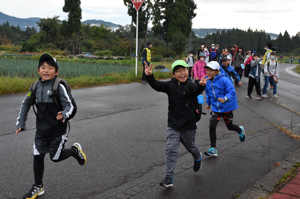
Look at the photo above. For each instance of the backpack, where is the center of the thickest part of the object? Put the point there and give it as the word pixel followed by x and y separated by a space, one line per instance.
pixel 247 70
pixel 213 54
pixel 55 96
pixel 189 60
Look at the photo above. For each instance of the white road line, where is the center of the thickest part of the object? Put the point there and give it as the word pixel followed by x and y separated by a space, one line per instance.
pixel 289 70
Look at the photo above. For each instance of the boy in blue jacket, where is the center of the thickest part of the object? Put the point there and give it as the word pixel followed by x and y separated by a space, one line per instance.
pixel 225 59
pixel 221 97
pixel 181 117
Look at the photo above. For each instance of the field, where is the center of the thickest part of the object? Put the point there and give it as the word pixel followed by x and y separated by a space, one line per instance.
pixel 17 75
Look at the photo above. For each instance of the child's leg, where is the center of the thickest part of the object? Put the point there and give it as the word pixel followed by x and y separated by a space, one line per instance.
pixel 57 151
pixel 228 118
pixel 187 138
pixel 213 122
pixel 257 87
pixel 250 85
pixel 173 143
pixel 38 169
pixel 274 85
pixel 266 84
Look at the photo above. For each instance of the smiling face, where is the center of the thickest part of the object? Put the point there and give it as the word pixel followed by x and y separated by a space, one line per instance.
pixel 181 73
pixel 212 73
pixel 47 72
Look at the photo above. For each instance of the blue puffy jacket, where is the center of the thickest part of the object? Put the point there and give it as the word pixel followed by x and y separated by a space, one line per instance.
pixel 221 87
pixel 230 70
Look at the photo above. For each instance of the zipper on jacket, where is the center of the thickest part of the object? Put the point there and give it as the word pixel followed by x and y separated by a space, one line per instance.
pixel 215 94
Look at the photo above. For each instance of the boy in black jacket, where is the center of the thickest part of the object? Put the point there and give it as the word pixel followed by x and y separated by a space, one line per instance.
pixel 51 127
pixel 181 118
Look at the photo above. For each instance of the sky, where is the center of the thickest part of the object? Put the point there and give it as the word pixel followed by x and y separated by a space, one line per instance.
pixel 273 16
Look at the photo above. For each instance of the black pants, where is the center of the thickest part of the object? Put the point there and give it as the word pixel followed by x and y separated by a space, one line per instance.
pixel 252 82
pixel 214 120
pixel 144 77
pixel 190 72
pixel 38 164
pixel 239 71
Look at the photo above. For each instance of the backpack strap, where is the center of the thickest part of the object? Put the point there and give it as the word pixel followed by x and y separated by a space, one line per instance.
pixel 55 94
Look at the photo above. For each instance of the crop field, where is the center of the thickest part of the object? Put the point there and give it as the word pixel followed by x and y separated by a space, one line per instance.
pixel 28 68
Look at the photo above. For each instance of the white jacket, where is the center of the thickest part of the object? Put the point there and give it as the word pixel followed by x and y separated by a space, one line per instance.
pixel 273 68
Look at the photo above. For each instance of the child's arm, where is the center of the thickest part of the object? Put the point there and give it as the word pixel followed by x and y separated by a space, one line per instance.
pixel 237 76
pixel 229 90
pixel 156 85
pixel 66 104
pixel 25 107
pixel 207 100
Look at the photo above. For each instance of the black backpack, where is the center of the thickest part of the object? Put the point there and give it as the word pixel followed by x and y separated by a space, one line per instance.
pixel 247 70
pixel 55 96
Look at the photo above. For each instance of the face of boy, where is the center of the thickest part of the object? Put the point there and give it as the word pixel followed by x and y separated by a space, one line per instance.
pixel 225 62
pixel 181 74
pixel 47 72
pixel 211 73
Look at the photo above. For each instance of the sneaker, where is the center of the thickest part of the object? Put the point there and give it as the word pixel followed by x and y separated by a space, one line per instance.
pixel 211 152
pixel 34 192
pixel 242 135
pixel 249 97
pixel 264 96
pixel 258 97
pixel 81 158
pixel 167 182
pixel 275 95
pixel 197 163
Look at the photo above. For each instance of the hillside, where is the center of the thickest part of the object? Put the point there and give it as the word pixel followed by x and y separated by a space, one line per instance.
pixel 23 23
pixel 202 32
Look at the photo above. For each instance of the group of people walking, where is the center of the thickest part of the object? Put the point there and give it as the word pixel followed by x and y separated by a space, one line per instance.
pixel 235 62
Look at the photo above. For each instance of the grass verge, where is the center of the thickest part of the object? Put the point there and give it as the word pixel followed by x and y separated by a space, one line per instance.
pixel 22 85
pixel 297 69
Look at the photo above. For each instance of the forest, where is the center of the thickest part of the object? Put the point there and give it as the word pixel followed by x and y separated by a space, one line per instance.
pixel 170 37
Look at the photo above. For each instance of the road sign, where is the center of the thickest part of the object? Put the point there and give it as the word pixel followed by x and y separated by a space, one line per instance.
pixel 137 4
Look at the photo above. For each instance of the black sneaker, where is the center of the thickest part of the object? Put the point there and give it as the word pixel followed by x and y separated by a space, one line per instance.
pixel 197 163
pixel 167 182
pixel 34 192
pixel 81 158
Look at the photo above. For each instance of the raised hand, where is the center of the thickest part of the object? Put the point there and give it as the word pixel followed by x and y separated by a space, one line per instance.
pixel 148 69
pixel 203 81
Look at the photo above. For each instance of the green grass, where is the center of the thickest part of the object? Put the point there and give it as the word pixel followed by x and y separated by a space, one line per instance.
pixel 297 69
pixel 18 75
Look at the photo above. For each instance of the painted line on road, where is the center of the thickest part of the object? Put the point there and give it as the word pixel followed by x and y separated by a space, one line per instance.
pixel 289 70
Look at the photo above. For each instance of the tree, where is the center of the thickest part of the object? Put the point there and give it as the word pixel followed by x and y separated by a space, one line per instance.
pixel 73 24
pixel 49 28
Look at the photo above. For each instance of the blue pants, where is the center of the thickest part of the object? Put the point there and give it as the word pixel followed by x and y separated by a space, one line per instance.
pixel 267 79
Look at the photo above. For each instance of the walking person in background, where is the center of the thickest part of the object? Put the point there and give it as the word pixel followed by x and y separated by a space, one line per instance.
pixel 271 72
pixel 218 52
pixel 254 77
pixel 200 50
pixel 227 52
pixel 292 59
pixel 206 51
pixel 198 70
pixel 238 61
pixel 213 53
pixel 190 60
pixel 146 54
pixel 228 70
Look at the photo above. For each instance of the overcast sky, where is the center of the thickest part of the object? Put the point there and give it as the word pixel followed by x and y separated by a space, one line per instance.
pixel 273 16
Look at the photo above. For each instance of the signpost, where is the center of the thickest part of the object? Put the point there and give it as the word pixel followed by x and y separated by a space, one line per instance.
pixel 137 4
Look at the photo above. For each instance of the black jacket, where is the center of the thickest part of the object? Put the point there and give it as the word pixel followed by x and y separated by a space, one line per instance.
pixel 46 122
pixel 180 95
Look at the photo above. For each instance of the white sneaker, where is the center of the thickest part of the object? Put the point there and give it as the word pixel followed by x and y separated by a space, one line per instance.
pixel 275 95
pixel 264 96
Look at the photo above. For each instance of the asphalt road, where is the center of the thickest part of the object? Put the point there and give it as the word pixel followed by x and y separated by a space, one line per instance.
pixel 122 131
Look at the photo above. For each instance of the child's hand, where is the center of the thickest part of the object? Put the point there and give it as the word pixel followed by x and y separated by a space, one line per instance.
pixel 148 69
pixel 240 83
pixel 19 130
pixel 203 81
pixel 221 100
pixel 197 78
pixel 60 117
pixel 207 107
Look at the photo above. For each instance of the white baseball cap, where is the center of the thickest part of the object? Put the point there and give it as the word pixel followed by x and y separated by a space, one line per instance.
pixel 213 65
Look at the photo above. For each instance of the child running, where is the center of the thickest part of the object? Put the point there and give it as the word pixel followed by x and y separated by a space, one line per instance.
pixel 181 118
pixel 221 97
pixel 51 127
